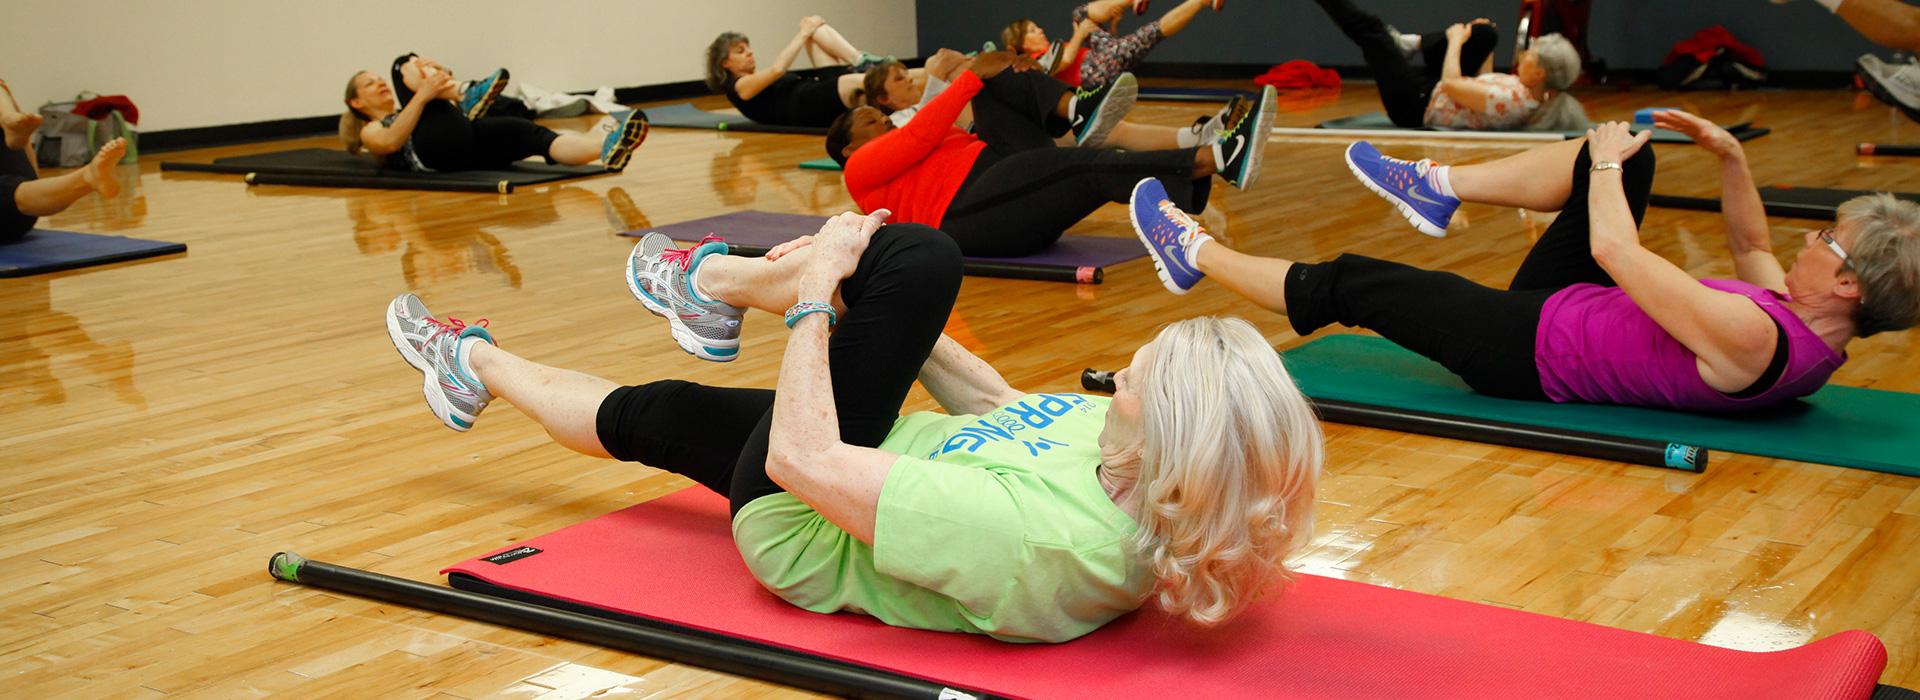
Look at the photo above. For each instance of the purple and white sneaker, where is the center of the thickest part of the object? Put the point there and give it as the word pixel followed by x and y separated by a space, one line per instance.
pixel 433 346
pixel 1169 234
pixel 1406 185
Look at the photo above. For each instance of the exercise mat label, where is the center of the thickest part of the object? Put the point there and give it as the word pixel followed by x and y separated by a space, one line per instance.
pixel 512 555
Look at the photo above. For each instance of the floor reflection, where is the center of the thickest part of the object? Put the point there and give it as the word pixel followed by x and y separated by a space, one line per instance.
pixel 738 173
pixel 34 337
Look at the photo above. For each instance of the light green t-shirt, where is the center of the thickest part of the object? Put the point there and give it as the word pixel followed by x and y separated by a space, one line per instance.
pixel 993 524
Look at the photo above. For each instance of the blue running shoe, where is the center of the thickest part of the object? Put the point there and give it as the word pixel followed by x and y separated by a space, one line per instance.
pixel 628 128
pixel 433 347
pixel 1168 233
pixel 661 277
pixel 1404 184
pixel 480 95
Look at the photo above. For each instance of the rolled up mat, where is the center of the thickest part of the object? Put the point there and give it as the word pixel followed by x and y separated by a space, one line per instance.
pixel 1192 94
pixel 1886 149
pixel 820 164
pixel 1079 259
pixel 1838 425
pixel 321 167
pixel 1743 131
pixel 42 251
pixel 1786 201
pixel 670 565
pixel 687 116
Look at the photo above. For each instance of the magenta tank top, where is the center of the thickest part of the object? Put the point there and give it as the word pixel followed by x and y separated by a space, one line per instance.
pixel 1595 345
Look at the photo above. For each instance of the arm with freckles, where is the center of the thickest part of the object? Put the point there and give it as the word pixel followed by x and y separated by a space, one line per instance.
pixel 962 382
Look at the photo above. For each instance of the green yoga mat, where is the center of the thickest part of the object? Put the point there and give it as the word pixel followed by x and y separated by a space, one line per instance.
pixel 1838 425
pixel 1378 120
pixel 821 164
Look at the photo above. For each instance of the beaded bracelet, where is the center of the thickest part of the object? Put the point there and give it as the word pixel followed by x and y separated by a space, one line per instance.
pixel 801 309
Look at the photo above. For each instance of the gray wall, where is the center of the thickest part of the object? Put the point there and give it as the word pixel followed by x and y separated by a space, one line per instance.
pixel 1628 34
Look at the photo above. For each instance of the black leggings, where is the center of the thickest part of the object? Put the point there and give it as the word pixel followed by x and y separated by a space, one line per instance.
pixel 897 302
pixel 445 140
pixel 1024 192
pixel 1405 89
pixel 16 169
pixel 1485 335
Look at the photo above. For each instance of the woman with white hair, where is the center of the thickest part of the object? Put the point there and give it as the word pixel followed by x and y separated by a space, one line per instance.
pixel 1458 89
pixel 1593 316
pixel 1031 517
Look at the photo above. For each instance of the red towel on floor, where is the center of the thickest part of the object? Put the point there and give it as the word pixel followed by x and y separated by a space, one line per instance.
pixel 100 107
pixel 1299 74
pixel 1709 42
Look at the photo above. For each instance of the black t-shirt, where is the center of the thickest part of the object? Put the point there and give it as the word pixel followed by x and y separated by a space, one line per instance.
pixel 799 98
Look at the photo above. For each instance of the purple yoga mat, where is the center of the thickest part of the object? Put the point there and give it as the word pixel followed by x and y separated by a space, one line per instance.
pixel 759 229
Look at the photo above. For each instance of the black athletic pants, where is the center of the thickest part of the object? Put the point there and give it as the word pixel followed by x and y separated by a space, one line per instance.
pixel 16 168
pixel 1405 89
pixel 445 140
pixel 1484 335
pixel 1024 192
pixel 897 302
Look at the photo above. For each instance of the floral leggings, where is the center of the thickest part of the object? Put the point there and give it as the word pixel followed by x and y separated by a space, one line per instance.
pixel 1108 56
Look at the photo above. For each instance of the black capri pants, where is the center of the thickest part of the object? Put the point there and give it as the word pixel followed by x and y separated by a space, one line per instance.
pixel 1484 335
pixel 1406 89
pixel 1024 192
pixel 446 140
pixel 16 169
pixel 898 299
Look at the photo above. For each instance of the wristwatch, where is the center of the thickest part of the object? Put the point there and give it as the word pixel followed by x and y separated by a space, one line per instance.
pixel 1600 165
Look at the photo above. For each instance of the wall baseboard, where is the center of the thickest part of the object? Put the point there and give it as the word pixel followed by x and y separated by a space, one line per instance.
pixel 325 125
pixel 1782 79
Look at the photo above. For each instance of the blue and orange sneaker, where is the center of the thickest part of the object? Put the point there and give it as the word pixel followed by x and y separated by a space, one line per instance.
pixel 480 95
pixel 1169 234
pixel 661 277
pixel 1406 185
pixel 434 347
pixel 626 129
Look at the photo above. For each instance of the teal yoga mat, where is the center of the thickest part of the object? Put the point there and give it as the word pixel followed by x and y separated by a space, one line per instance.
pixel 1378 120
pixel 1843 426
pixel 820 164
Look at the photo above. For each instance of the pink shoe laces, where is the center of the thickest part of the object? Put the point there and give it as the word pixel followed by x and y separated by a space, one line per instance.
pixel 684 256
pixel 451 325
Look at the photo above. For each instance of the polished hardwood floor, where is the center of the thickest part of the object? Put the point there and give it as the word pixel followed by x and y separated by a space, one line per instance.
pixel 168 424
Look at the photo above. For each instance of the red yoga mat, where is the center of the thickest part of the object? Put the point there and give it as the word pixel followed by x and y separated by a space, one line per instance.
pixel 672 559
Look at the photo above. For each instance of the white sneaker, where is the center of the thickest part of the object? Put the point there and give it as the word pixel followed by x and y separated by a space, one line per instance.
pixel 1897 84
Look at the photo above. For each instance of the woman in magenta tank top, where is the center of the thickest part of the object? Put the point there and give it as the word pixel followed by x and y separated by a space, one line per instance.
pixel 1592 315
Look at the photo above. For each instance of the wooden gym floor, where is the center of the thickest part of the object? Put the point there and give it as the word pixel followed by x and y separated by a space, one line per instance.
pixel 168 424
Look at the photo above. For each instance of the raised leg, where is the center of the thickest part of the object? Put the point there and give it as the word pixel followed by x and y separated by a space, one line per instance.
pixel 1106 12
pixel 576 148
pixel 1538 178
pixel 829 48
pixel 564 402
pixel 1177 18
pixel 49 196
pixel 17 124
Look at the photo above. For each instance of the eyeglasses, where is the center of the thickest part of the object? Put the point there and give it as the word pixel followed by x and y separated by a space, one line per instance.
pixel 1826 235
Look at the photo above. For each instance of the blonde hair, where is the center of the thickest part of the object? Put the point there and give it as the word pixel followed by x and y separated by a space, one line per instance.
pixel 1014 37
pixel 352 121
pixel 1227 473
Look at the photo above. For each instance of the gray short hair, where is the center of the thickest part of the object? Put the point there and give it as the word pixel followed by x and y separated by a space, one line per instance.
pixel 1559 59
pixel 1885 257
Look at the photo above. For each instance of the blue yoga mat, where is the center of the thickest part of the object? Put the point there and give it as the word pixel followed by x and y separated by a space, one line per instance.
pixel 43 251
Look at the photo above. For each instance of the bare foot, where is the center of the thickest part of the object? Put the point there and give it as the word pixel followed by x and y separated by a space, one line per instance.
pixel 19 127
pixel 101 173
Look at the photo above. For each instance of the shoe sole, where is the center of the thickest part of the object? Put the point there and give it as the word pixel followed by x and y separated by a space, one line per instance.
pixel 689 342
pixel 1153 249
pixel 430 384
pixel 486 103
pixel 630 140
pixel 1120 99
pixel 1413 216
pixel 1262 132
pixel 1879 90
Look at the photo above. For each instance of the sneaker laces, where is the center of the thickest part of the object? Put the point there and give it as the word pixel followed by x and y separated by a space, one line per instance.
pixel 1189 228
pixel 451 325
pixel 684 256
